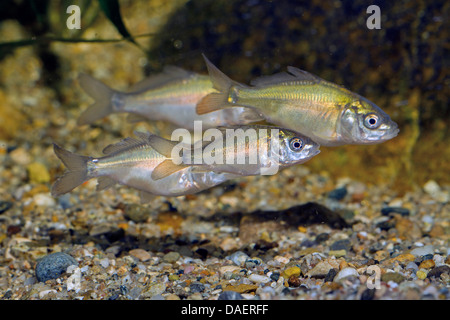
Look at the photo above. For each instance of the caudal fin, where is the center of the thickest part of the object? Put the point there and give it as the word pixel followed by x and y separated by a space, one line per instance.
pixel 102 95
pixel 77 171
pixel 222 83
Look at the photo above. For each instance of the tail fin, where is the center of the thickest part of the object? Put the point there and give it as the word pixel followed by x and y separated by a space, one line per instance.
pixel 77 171
pixel 102 95
pixel 222 83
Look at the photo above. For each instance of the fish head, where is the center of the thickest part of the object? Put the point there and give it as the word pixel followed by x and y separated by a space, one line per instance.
pixel 363 122
pixel 296 148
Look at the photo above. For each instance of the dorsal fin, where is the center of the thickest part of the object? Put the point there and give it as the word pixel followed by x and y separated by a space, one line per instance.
pixel 292 74
pixel 169 74
pixel 128 143
pixel 161 145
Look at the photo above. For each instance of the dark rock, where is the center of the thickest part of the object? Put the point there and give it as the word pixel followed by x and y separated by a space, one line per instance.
pixel 338 194
pixel 437 271
pixel 197 287
pixel 368 294
pixel 330 275
pixel 322 237
pixel 344 244
pixel 387 211
pixel 230 295
pixel 275 276
pixel 53 266
pixel 5 206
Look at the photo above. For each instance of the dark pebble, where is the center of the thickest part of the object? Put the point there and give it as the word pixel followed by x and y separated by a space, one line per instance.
pixel 5 206
pixel 53 265
pixel 275 276
pixel 338 194
pixel 426 257
pixel 389 210
pixel 368 294
pixel 386 225
pixel 437 271
pixel 230 295
pixel 197 287
pixel 344 244
pixel 330 275
pixel 322 237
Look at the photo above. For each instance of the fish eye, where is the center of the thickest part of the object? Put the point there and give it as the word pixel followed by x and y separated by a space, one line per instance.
pixel 296 144
pixel 372 121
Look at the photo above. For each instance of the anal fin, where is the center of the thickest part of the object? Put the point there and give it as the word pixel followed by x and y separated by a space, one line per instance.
pixel 165 169
pixel 104 183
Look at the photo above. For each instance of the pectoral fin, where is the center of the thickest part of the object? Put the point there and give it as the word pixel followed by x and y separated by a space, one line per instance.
pixel 165 169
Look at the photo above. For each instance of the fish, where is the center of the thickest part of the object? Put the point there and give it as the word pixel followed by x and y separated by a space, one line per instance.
pixel 171 96
pixel 130 162
pixel 241 150
pixel 328 113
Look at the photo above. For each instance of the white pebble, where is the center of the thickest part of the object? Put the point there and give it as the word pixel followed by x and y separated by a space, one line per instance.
pixel 259 278
pixel 44 200
pixel 421 251
pixel 344 273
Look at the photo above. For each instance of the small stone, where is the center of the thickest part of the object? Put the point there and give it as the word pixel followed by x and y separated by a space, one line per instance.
pixel 141 254
pixel 437 231
pixel 368 294
pixel 421 274
pixel 386 211
pixel 437 271
pixel 381 255
pixel 20 156
pixel 427 264
pixel 321 269
pixel 322 237
pixel 422 251
pixel 330 275
pixel 242 288
pixel 407 229
pixel 154 289
pixel 392 276
pixel 38 173
pixel 412 266
pixel 197 287
pixel 338 194
pixel 403 259
pixel 53 266
pixel 447 260
pixel 275 276
pixel 343 244
pixel 44 200
pixel 239 258
pixel 258 278
pixel 5 206
pixel 337 253
pixel 344 273
pixel 292 271
pixel 136 212
pixel 229 244
pixel 171 257
pixel 230 295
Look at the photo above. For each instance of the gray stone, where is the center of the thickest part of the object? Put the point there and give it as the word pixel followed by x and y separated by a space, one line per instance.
pixel 53 266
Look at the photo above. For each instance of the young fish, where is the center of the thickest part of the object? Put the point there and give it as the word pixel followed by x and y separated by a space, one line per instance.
pixel 131 162
pixel 241 150
pixel 169 96
pixel 327 113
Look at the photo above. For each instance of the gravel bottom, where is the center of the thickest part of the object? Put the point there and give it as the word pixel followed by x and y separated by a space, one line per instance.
pixel 256 238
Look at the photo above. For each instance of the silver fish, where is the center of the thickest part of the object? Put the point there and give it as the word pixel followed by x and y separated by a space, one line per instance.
pixel 241 150
pixel 131 162
pixel 169 96
pixel 328 113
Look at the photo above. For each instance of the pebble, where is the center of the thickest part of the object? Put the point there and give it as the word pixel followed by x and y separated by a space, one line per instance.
pixel 368 294
pixel 412 266
pixel 5 206
pixel 259 278
pixel 153 290
pixel 392 276
pixel 230 295
pixel 141 254
pixel 53 266
pixel 427 264
pixel 337 253
pixel 344 273
pixel 338 194
pixel 421 274
pixel 44 200
pixel 171 257
pixel 323 268
pixel 197 287
pixel 437 271
pixel 330 275
pixel 422 251
pixel 343 244
pixel 38 173
pixel 239 258
pixel 136 212
pixel 386 211
pixel 20 156
pixel 292 271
